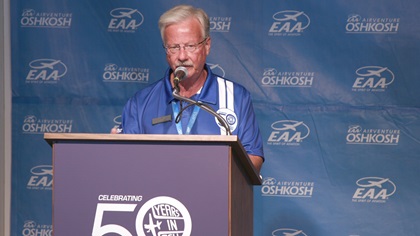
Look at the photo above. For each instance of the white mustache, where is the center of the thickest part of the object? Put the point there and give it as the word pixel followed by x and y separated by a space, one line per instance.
pixel 185 65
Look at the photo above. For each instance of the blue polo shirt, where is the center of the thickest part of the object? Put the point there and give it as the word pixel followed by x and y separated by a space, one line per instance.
pixel 150 111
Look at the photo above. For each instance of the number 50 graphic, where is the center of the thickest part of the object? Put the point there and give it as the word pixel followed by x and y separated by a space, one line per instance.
pixel 154 204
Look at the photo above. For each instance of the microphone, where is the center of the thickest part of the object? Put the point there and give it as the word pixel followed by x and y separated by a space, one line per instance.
pixel 180 74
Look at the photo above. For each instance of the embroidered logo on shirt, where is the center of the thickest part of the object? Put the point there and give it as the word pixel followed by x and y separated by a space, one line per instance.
pixel 230 118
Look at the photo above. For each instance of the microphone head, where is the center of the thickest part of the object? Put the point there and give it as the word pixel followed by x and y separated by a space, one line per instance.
pixel 180 73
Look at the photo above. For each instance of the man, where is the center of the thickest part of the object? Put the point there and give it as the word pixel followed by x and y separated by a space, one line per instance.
pixel 185 33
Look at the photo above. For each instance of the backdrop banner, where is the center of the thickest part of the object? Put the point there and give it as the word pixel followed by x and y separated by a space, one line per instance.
pixel 334 85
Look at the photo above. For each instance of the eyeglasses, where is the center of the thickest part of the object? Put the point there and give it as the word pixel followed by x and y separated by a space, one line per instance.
pixel 174 49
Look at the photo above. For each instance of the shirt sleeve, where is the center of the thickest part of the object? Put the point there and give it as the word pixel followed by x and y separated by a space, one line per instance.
pixel 249 132
pixel 130 121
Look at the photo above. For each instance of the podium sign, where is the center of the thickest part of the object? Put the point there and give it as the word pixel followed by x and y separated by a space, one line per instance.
pixel 150 185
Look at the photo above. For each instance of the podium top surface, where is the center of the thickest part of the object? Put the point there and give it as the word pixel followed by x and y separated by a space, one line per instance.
pixel 231 140
pixel 53 137
pixel 139 137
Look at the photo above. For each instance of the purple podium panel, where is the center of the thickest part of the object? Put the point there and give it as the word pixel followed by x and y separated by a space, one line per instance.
pixel 118 188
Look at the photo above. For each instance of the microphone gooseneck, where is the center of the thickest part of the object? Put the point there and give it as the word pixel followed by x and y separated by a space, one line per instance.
pixel 203 106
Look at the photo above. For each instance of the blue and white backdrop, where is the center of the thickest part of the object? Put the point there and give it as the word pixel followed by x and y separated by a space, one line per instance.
pixel 335 86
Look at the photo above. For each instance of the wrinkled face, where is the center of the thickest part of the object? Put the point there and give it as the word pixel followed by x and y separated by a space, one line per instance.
pixel 183 34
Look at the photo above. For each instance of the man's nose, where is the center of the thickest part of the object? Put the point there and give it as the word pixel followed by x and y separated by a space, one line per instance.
pixel 182 54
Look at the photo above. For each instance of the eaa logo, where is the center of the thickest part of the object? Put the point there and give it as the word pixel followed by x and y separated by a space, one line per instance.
pixel 373 78
pixel 111 67
pixel 46 71
pixel 269 181
pixel 217 69
pixel 125 20
pixel 373 190
pixel 354 129
pixel 41 178
pixel 270 72
pixel 28 12
pixel 30 119
pixel 288 132
pixel 288 232
pixel 29 224
pixel 289 23
pixel 354 18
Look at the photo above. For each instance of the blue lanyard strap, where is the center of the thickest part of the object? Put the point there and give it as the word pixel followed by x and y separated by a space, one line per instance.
pixel 191 122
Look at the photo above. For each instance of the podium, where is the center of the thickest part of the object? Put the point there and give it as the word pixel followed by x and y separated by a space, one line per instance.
pixel 157 185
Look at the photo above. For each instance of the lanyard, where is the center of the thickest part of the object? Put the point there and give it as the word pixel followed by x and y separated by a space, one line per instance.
pixel 191 122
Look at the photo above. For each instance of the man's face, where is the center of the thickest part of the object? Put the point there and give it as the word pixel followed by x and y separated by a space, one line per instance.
pixel 187 32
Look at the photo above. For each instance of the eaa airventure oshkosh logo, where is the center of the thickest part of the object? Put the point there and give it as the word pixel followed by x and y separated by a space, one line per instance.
pixel 115 73
pixel 31 18
pixel 41 178
pixel 33 125
pixel 272 78
pixel 373 190
pixel 273 188
pixel 358 135
pixel 288 132
pixel 220 23
pixel 46 71
pixel 31 228
pixel 288 232
pixel 373 79
pixel 289 23
pixel 357 24
pixel 126 20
